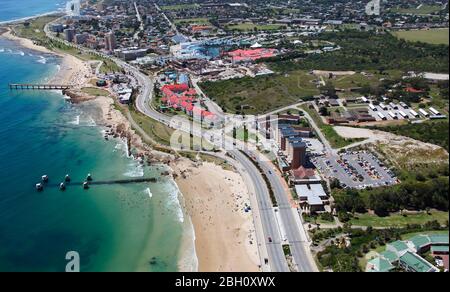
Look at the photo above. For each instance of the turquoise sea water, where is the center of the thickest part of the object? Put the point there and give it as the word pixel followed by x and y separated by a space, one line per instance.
pixel 113 227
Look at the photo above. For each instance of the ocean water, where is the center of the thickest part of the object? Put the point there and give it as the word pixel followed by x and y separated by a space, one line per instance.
pixel 136 227
pixel 13 9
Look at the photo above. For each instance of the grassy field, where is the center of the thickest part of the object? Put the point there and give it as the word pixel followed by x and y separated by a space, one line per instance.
pixel 179 7
pixel 157 131
pixel 261 94
pixel 217 161
pixel 248 26
pixel 162 134
pixel 328 131
pixel 399 220
pixel 35 30
pixel 360 80
pixel 432 36
pixel 95 91
pixel 423 10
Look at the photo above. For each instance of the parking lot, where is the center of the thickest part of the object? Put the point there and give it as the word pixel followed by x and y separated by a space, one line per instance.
pixel 355 170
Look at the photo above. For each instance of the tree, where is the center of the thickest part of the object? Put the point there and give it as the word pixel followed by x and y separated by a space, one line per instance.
pixel 323 111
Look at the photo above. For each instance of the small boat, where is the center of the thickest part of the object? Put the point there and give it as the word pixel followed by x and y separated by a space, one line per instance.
pixel 67 178
pixel 89 177
pixel 39 187
pixel 62 186
pixel 45 178
pixel 85 185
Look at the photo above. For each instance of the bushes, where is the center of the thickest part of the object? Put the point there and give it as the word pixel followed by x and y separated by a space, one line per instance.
pixel 430 132
pixel 432 192
pixel 370 51
pixel 345 259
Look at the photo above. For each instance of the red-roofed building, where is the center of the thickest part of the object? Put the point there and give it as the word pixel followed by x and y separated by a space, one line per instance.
pixel 413 90
pixel 180 96
pixel 202 29
pixel 240 56
pixel 303 175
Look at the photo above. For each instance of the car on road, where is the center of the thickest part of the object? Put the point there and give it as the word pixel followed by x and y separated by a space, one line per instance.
pixel 270 239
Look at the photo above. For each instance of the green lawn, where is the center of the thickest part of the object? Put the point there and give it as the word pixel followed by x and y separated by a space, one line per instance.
pixel 95 91
pixel 398 220
pixel 261 94
pixel 162 134
pixel 248 26
pixel 35 30
pixel 432 36
pixel 157 131
pixel 240 135
pixel 423 10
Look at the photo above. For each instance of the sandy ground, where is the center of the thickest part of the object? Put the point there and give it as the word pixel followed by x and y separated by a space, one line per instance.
pixel 349 132
pixel 335 73
pixel 404 152
pixel 215 199
pixel 381 137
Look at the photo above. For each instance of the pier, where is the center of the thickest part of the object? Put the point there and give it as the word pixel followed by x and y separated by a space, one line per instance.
pixel 104 182
pixel 27 86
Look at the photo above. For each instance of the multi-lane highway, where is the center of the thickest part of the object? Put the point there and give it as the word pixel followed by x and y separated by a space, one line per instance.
pixel 297 241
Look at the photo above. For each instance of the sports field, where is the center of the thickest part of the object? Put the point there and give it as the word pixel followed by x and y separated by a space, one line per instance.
pixel 432 36
pixel 419 10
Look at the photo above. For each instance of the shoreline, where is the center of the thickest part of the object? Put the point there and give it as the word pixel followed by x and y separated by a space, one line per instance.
pixel 216 247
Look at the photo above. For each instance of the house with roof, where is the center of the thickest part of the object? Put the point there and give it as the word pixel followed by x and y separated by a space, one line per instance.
pixel 412 262
pixel 398 247
pixel 406 254
pixel 379 264
pixel 251 55
pixel 303 175
pixel 181 97
pixel 312 197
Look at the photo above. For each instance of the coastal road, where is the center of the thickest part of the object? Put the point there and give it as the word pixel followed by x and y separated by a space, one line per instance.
pixel 276 258
pixel 297 242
